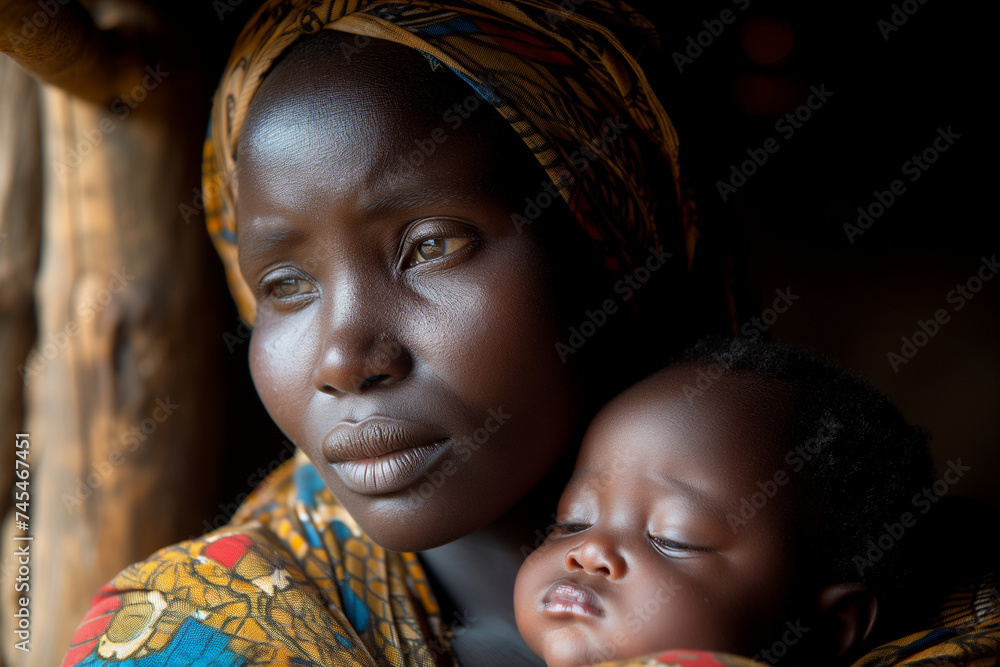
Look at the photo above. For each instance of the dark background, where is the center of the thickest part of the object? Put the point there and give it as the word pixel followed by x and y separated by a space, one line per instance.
pixel 785 224
pixel 890 96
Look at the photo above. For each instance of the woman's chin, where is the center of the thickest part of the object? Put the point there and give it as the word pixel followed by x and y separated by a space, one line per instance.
pixel 407 522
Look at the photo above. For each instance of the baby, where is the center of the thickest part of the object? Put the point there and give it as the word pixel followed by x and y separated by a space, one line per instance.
pixel 728 503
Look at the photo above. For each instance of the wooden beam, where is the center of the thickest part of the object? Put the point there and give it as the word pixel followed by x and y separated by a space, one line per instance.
pixel 123 387
pixel 58 42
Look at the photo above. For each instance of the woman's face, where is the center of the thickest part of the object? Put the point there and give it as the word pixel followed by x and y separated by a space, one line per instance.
pixel 405 331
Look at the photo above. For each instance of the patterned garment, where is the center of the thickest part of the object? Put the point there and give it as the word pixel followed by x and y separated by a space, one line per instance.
pixel 966 632
pixel 554 70
pixel 293 581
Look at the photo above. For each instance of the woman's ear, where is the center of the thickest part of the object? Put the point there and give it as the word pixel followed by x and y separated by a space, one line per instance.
pixel 848 612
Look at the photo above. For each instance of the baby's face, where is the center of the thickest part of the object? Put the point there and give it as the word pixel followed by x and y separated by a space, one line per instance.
pixel 642 557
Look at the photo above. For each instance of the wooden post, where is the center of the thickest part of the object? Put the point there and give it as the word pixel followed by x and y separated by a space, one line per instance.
pixel 122 388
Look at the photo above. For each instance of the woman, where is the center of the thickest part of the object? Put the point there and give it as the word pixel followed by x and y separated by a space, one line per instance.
pixel 436 313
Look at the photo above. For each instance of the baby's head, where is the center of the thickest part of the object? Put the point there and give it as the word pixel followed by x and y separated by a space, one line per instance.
pixel 725 503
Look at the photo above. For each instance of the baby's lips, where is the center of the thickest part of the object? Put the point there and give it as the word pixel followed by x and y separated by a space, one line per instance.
pixel 569 598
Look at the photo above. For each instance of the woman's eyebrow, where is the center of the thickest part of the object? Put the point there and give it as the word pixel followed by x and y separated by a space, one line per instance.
pixel 264 238
pixel 269 239
pixel 443 194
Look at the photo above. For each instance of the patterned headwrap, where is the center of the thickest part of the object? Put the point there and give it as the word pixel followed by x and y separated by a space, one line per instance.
pixel 556 71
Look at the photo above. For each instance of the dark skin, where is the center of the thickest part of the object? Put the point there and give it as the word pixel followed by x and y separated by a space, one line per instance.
pixel 406 294
pixel 642 525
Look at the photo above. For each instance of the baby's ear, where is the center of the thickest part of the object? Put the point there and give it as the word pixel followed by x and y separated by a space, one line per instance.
pixel 848 612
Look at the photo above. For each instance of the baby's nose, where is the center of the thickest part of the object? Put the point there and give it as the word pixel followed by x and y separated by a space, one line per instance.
pixel 598 554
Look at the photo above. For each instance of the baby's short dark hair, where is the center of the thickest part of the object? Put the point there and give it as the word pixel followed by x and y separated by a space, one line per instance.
pixel 861 463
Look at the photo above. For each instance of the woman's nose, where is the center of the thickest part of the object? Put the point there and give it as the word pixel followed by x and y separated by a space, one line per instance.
pixel 356 359
pixel 598 554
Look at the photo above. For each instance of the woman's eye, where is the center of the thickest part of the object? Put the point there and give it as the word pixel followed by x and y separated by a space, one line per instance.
pixel 289 287
pixel 432 249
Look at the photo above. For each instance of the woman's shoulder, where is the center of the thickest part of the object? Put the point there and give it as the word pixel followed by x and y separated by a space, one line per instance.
pixel 291 580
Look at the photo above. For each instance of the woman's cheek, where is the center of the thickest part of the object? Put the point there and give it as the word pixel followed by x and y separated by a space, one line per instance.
pixel 279 365
pixel 502 362
pixel 499 331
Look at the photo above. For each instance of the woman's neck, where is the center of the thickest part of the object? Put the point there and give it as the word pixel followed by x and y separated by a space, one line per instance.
pixel 473 577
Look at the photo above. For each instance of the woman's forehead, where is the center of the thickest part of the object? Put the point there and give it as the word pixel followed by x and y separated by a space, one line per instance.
pixel 385 114
pixel 370 94
pixel 290 161
pixel 383 78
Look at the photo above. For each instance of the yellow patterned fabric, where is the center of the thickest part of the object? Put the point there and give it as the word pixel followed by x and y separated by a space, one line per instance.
pixel 291 581
pixel 966 632
pixel 554 70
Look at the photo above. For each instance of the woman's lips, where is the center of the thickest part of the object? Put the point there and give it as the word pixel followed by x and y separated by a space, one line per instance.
pixel 380 455
pixel 567 598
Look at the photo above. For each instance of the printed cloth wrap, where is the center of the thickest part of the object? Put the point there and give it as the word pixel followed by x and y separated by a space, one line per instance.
pixel 554 70
pixel 292 580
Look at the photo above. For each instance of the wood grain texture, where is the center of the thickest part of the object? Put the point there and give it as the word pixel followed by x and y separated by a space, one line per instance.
pixel 78 47
pixel 122 393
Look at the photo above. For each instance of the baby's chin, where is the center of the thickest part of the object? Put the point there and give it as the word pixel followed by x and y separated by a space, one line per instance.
pixel 572 645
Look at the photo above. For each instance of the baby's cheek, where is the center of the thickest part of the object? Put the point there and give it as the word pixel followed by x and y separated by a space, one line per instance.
pixel 673 611
pixel 535 576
